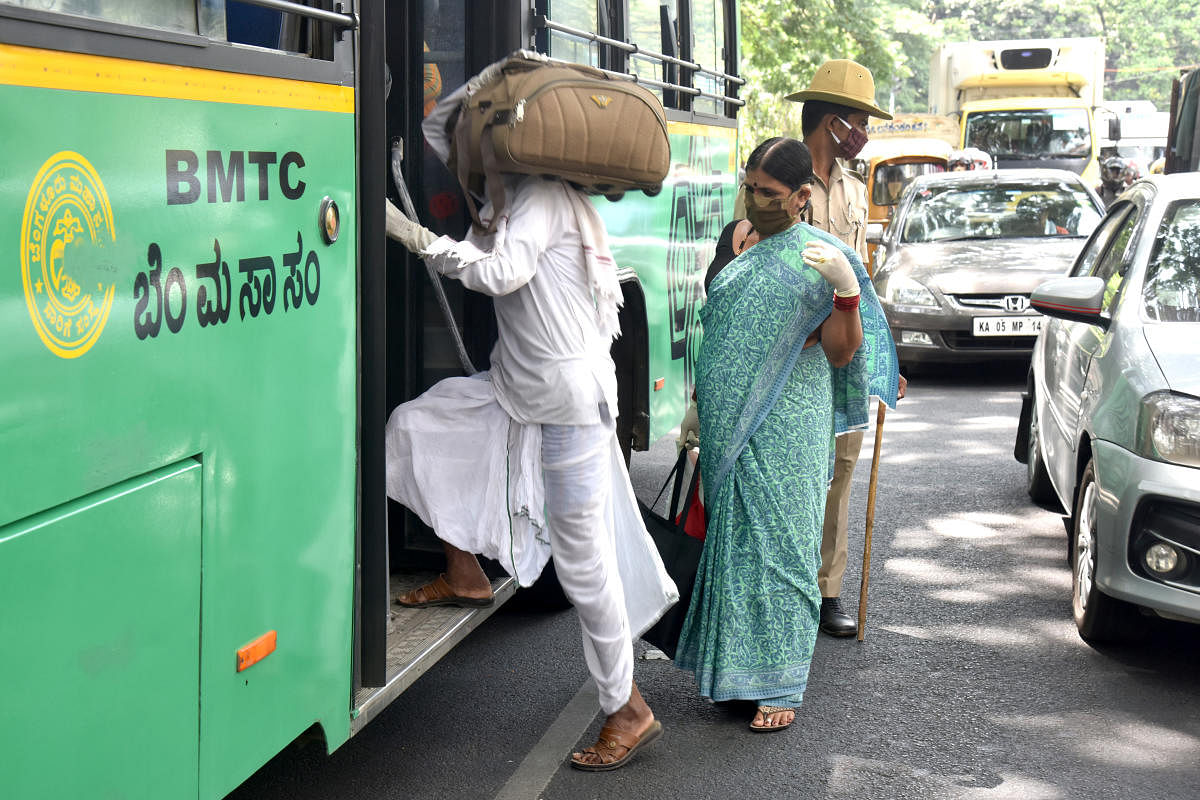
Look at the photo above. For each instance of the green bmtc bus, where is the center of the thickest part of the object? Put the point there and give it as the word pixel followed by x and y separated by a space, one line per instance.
pixel 204 329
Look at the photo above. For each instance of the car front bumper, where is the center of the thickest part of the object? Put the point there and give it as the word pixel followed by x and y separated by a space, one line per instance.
pixel 1126 483
pixel 945 336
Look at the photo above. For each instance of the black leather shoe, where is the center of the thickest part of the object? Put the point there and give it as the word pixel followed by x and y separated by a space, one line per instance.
pixel 834 619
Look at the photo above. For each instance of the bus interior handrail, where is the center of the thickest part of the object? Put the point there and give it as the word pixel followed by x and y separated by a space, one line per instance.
pixel 545 22
pixel 675 87
pixel 339 21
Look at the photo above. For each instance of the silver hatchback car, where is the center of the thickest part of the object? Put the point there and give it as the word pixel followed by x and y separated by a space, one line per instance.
pixel 1110 423
pixel 964 250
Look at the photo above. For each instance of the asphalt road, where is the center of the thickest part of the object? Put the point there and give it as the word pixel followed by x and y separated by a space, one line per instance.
pixel 972 682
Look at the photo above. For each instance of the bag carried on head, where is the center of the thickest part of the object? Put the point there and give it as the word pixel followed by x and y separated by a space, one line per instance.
pixel 536 116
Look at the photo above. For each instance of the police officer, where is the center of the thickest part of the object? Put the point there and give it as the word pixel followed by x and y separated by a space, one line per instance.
pixel 837 104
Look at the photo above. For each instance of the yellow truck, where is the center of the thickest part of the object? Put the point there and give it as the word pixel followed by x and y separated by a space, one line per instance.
pixel 1029 103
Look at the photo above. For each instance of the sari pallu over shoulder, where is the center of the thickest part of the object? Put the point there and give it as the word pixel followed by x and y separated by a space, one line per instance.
pixel 760 310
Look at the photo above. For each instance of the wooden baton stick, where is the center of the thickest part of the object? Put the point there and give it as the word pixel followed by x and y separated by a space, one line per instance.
pixel 870 525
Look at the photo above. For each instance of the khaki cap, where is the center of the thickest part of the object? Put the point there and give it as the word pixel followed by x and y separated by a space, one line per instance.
pixel 846 83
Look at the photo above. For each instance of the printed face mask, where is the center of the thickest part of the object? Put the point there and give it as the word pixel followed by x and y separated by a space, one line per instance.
pixel 768 216
pixel 853 144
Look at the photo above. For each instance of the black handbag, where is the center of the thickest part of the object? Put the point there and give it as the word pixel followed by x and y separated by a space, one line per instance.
pixel 680 554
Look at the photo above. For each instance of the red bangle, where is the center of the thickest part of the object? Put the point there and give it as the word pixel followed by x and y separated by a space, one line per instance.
pixel 846 303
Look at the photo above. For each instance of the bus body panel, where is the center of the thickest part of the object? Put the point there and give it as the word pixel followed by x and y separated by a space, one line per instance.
pixel 696 202
pixel 109 587
pixel 169 296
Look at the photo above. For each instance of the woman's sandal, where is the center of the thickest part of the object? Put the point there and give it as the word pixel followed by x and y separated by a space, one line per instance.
pixel 767 711
pixel 610 744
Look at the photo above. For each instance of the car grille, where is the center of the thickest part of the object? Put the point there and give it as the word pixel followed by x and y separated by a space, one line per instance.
pixel 986 300
pixel 965 340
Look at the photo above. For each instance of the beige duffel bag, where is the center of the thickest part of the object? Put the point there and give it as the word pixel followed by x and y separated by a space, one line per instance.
pixel 543 117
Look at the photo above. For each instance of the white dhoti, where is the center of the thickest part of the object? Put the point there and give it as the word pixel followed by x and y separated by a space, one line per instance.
pixel 513 492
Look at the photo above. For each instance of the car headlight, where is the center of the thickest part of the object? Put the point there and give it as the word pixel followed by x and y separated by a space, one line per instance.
pixel 1169 428
pixel 907 292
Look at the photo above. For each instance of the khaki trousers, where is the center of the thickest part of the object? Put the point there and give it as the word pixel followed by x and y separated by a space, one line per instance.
pixel 837 512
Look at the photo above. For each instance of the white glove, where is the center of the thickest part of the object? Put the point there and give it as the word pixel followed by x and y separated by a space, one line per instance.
pixel 689 428
pixel 411 234
pixel 833 266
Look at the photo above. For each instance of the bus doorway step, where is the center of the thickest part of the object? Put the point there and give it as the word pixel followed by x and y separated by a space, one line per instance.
pixel 418 637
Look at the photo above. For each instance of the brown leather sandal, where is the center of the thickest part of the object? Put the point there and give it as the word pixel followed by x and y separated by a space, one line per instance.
pixel 438 593
pixel 767 711
pixel 610 744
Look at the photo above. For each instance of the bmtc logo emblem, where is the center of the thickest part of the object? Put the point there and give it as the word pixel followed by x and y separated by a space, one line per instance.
pixel 66 255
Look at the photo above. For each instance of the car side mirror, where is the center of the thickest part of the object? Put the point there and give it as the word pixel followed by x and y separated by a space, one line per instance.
pixel 1077 299
pixel 874 232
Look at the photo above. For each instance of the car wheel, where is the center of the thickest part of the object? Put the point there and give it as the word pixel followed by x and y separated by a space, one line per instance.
pixel 1037 479
pixel 1098 617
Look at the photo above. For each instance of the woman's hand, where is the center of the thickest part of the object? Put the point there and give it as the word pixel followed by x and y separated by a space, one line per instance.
pixel 411 234
pixel 833 266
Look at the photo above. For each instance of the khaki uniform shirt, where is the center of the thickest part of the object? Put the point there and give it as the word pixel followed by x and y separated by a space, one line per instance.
pixel 841 208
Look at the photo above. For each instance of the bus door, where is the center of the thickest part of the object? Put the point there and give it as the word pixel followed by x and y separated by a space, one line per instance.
pixel 431 49
pixel 664 245
pixel 178 419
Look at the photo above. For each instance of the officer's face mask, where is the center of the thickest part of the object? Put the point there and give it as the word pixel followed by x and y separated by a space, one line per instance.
pixel 853 144
pixel 768 215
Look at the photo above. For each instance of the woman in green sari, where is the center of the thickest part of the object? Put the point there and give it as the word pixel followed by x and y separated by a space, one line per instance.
pixel 795 343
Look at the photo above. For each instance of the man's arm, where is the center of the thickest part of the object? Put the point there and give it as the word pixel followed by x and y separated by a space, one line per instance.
pixel 520 239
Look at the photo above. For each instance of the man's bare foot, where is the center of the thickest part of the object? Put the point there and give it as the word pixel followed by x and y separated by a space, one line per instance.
pixel 624 732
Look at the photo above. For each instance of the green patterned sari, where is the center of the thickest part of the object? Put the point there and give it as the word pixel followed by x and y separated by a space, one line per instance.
pixel 769 410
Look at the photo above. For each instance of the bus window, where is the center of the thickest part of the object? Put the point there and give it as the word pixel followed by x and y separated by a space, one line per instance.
pixel 708 50
pixel 652 25
pixel 580 14
pixel 246 23
pixel 169 15
pixel 436 191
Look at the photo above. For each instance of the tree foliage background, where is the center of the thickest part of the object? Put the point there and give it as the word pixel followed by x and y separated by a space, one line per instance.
pixel 783 42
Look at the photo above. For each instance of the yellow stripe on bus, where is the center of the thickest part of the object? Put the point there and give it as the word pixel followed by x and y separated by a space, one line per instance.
pixel 699 129
pixel 53 69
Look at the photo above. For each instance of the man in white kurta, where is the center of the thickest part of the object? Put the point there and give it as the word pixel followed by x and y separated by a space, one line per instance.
pixel 479 458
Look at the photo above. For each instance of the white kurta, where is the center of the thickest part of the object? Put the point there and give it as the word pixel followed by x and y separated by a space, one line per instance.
pixel 471 456
pixel 550 363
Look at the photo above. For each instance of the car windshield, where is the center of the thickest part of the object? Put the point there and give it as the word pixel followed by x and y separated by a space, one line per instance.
pixel 890 180
pixel 999 211
pixel 1031 135
pixel 1171 292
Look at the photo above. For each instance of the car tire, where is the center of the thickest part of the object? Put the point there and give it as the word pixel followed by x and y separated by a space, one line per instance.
pixel 1037 479
pixel 1099 618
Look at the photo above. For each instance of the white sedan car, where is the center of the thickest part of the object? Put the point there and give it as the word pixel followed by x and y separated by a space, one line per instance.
pixel 1110 426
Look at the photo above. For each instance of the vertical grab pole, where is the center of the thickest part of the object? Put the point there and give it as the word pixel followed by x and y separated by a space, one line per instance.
pixel 870 524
